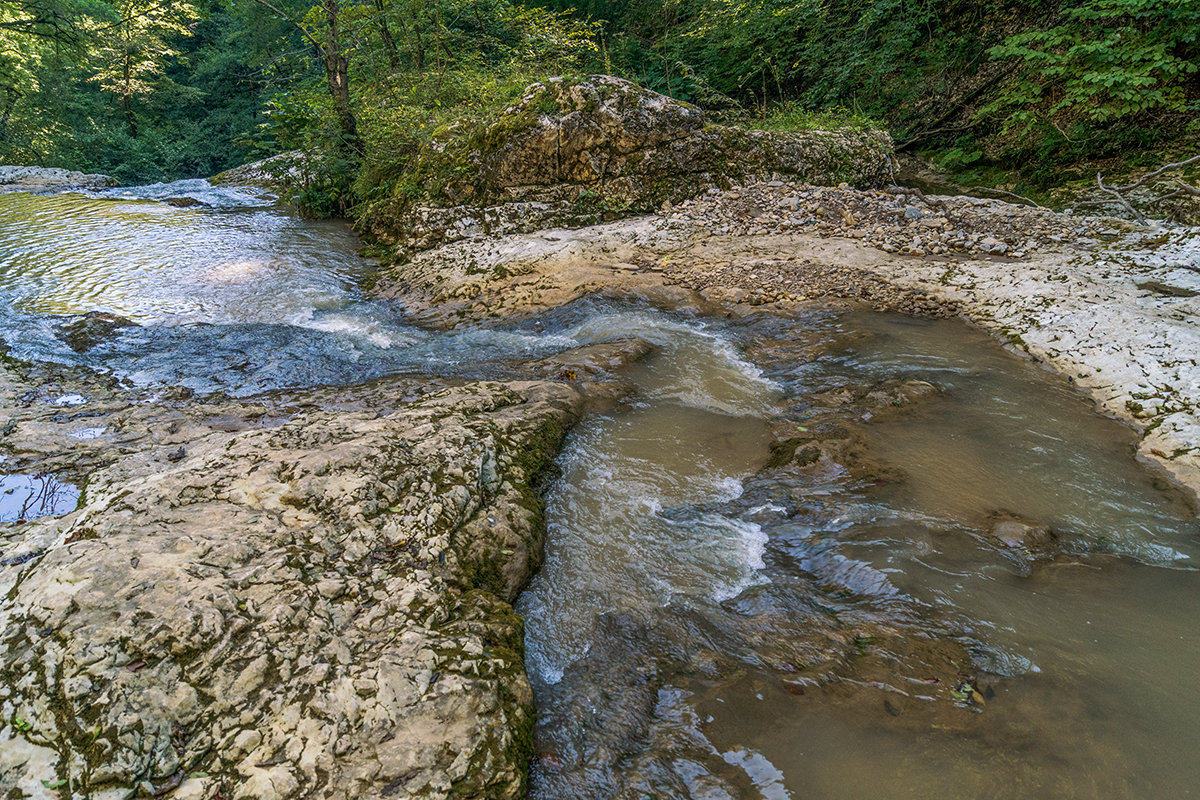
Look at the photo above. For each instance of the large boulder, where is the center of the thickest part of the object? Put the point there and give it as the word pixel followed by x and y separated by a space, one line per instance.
pixel 575 151
pixel 287 171
pixel 50 179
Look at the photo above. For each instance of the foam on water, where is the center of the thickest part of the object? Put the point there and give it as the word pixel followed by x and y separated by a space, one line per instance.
pixel 728 383
pixel 629 524
pixel 198 189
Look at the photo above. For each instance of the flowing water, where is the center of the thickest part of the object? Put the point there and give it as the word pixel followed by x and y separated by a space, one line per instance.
pixel 709 624
pixel 235 295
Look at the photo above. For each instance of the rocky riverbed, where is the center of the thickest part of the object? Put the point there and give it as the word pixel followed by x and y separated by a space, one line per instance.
pixel 308 593
pixel 291 596
pixel 1111 305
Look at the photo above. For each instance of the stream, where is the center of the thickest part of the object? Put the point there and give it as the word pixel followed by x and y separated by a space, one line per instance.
pixel 710 623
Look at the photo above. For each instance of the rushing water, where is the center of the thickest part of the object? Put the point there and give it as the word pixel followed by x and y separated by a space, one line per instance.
pixel 684 583
pixel 1088 655
pixel 235 295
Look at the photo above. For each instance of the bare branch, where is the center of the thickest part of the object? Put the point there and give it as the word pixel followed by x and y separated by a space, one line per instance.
pixel 1117 192
pixel 1186 188
pixel 1120 198
pixel 1006 194
pixel 1156 173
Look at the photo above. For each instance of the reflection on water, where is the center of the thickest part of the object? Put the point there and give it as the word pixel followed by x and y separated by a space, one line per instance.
pixel 25 497
pixel 234 295
pixel 153 262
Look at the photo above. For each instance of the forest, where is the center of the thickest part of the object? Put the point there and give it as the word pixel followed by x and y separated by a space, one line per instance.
pixel 149 90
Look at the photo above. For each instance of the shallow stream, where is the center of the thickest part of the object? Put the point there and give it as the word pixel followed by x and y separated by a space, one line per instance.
pixel 708 623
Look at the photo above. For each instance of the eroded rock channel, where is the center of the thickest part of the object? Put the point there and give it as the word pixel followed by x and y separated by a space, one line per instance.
pixel 676 506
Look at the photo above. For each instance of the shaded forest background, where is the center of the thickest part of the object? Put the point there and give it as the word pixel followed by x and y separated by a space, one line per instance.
pixel 1038 91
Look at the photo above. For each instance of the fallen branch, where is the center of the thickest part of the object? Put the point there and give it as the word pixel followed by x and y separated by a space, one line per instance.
pixel 1006 194
pixel 1120 198
pixel 1117 192
pixel 1184 189
pixel 1156 173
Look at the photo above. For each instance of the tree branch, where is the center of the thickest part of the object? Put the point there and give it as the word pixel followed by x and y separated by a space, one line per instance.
pixel 1156 173
pixel 1117 192
pixel 307 34
pixel 1120 199
pixel 1006 194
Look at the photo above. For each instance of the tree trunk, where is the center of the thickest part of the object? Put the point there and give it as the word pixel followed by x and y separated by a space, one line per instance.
pixel 127 100
pixel 416 41
pixel 385 33
pixel 337 75
pixel 13 95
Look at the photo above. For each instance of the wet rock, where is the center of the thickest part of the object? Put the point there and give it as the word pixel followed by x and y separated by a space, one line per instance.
pixel 1022 537
pixel 183 202
pixel 898 394
pixel 93 328
pixel 597 360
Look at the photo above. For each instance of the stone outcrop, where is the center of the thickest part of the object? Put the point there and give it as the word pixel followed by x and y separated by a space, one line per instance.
pixel 579 151
pixel 295 601
pixel 286 171
pixel 50 179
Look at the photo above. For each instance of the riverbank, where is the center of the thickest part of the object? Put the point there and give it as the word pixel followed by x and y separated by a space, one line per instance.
pixel 356 635
pixel 309 590
pixel 1108 304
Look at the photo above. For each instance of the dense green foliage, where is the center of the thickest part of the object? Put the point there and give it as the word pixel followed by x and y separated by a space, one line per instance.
pixel 1040 82
pixel 157 89
pixel 133 89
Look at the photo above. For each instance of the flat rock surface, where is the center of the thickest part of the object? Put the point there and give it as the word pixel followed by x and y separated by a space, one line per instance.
pixel 50 179
pixel 354 638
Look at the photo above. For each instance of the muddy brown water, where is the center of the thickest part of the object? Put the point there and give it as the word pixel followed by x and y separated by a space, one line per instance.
pixel 1087 657
pixel 707 626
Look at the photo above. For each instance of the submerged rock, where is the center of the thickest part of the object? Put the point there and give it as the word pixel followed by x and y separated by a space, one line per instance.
pixel 183 202
pixel 83 333
pixel 1022 537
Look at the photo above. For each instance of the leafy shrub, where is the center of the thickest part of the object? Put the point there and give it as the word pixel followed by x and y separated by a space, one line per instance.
pixel 1104 60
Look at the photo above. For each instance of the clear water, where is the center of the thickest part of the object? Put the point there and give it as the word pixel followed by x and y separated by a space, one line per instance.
pixel 236 295
pixel 682 582
pixel 25 497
